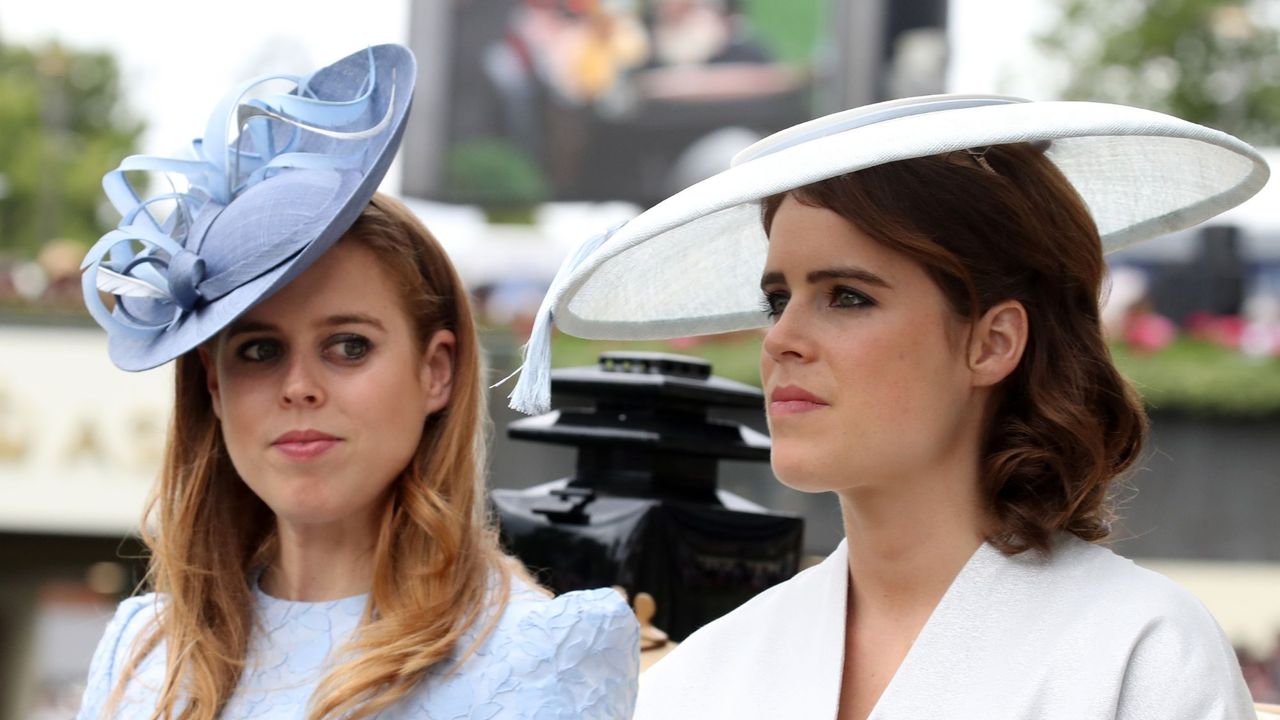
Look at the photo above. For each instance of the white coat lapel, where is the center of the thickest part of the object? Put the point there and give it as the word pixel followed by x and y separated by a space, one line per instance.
pixel 942 638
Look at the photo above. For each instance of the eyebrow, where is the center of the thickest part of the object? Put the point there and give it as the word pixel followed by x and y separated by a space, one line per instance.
pixel 252 326
pixel 847 272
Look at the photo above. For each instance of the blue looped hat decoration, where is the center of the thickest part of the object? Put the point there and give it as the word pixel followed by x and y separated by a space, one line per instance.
pixel 272 184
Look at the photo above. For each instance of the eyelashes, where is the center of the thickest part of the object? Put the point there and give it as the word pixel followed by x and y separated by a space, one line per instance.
pixel 346 348
pixel 840 297
pixel 847 297
pixel 259 351
pixel 350 347
pixel 773 303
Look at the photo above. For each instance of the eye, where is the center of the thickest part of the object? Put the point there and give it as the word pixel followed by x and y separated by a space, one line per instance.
pixel 847 297
pixel 258 351
pixel 350 347
pixel 773 303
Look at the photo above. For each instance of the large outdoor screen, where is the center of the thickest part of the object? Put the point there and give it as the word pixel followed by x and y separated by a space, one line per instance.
pixel 629 100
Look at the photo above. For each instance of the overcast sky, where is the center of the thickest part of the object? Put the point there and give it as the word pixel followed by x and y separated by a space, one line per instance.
pixel 177 58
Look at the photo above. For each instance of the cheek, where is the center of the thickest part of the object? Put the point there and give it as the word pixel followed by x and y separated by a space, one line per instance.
pixel 390 409
pixel 902 370
pixel 877 373
pixel 245 417
pixel 244 400
pixel 393 389
pixel 916 394
pixel 897 396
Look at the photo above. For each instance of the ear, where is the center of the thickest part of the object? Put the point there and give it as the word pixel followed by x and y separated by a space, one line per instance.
pixel 210 379
pixel 997 342
pixel 437 370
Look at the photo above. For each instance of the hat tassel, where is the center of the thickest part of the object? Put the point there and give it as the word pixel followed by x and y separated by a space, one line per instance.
pixel 532 393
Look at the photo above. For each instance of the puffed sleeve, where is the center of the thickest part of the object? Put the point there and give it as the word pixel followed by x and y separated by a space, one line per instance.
pixel 112 653
pixel 580 654
pixel 1183 666
pixel 573 657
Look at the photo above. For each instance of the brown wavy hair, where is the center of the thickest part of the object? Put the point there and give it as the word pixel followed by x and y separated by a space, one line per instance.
pixel 438 568
pixel 1065 424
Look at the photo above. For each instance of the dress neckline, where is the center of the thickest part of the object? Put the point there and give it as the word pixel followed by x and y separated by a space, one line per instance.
pixel 271 604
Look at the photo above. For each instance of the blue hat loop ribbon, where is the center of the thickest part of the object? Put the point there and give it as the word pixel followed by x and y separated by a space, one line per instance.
pixel 186 270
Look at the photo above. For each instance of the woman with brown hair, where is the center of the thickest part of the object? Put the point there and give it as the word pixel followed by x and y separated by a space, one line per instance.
pixel 929 273
pixel 320 542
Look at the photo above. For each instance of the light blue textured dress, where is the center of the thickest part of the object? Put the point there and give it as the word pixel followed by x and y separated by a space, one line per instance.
pixel 573 656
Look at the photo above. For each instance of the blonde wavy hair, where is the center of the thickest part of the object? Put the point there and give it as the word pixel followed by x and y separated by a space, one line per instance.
pixel 437 555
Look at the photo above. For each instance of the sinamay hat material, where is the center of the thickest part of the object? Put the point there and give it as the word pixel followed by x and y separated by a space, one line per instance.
pixel 272 184
pixel 691 264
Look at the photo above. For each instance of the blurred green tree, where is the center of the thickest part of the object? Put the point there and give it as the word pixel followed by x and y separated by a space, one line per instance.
pixel 62 126
pixel 498 175
pixel 1213 62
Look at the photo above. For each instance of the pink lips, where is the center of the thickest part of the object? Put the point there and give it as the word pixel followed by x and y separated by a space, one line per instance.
pixel 305 444
pixel 790 400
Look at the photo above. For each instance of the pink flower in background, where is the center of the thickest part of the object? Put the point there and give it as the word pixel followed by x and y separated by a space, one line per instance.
pixel 1149 332
pixel 1223 330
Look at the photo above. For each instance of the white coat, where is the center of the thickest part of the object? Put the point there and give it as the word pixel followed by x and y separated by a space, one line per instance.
pixel 1080 634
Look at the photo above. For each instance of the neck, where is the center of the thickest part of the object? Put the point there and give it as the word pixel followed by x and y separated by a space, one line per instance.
pixel 315 562
pixel 909 539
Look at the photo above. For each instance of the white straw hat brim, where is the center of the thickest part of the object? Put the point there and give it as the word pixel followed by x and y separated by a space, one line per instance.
pixel 691 264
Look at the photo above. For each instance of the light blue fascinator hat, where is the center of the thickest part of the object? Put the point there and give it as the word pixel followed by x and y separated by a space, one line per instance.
pixel 273 183
pixel 691 264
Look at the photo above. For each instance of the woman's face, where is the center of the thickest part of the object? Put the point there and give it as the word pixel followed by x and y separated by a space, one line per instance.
pixel 864 368
pixel 322 390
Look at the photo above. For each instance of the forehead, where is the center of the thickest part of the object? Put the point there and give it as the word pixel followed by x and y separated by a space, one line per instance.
pixel 348 278
pixel 803 238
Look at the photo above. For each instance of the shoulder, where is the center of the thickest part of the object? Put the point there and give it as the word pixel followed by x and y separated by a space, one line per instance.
pixel 1116 597
pixel 131 618
pixel 572 656
pixel 1163 630
pixel 1124 590
pixel 570 627
pixel 785 638
pixel 530 605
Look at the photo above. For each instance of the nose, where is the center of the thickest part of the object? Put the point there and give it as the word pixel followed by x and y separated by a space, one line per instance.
pixel 790 337
pixel 301 385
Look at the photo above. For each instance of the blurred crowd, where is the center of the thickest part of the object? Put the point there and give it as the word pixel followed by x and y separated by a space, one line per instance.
pixel 584 48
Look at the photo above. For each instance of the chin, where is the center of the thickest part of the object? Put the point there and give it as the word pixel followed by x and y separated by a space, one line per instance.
pixel 306 502
pixel 312 513
pixel 309 511
pixel 799 471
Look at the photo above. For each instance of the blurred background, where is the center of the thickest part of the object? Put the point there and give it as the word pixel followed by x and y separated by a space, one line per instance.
pixel 536 124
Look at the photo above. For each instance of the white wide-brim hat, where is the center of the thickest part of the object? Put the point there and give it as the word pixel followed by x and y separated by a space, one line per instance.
pixel 691 264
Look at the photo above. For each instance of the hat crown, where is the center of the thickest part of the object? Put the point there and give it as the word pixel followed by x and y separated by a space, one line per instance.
pixel 275 218
pixel 864 116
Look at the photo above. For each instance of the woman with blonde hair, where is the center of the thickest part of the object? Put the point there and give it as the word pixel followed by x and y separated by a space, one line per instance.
pixel 320 541
pixel 927 273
